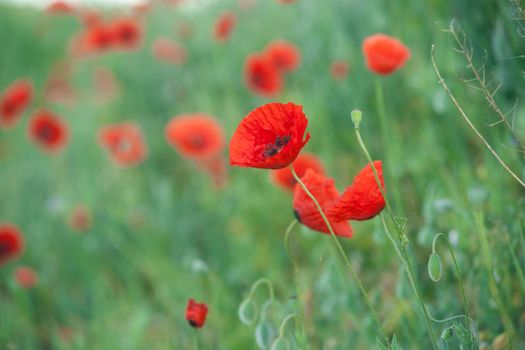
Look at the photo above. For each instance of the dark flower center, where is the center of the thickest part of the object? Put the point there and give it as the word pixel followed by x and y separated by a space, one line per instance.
pixel 46 133
pixel 272 149
pixel 197 141
pixel 4 248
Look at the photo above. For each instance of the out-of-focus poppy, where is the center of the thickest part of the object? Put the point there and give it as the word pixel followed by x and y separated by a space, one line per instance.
pixel 97 38
pixel 48 131
pixel 304 161
pixel 198 135
pixel 224 26
pixel 284 55
pixel 60 8
pixel 196 313
pixel 124 142
pixel 11 242
pixel 270 136
pixel 166 50
pixel 26 277
pixel 384 54
pixel 261 76
pixel 126 33
pixel 363 199
pixel 105 84
pixel 339 70
pixel 80 219
pixel 14 101
pixel 324 191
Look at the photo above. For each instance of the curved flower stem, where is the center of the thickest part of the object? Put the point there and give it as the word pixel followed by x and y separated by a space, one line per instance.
pixel 258 283
pixel 287 242
pixel 458 275
pixel 285 322
pixel 342 253
pixel 403 240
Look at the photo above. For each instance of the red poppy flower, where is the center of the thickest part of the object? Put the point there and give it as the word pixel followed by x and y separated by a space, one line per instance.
pixel 261 76
pixel 339 70
pixel 25 276
pixel 80 219
pixel 60 8
pixel 126 33
pixel 284 55
pixel 48 131
pixel 196 313
pixel 304 161
pixel 270 136
pixel 198 135
pixel 224 26
pixel 14 101
pixel 11 242
pixel 384 54
pixel 124 143
pixel 97 38
pixel 323 189
pixel 363 199
pixel 166 50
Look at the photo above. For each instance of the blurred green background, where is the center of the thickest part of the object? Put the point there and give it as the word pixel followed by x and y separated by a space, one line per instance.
pixel 161 233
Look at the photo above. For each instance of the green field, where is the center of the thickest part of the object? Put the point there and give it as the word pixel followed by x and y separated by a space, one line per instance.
pixel 162 233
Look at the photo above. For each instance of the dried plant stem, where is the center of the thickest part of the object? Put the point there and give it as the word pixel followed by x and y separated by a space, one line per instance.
pixel 466 118
pixel 342 253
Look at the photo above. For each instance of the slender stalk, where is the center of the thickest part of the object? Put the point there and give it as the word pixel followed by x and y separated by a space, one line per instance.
pixel 342 253
pixel 458 275
pixel 195 340
pixel 469 122
pixel 287 242
pixel 403 240
pixel 282 328
pixel 258 283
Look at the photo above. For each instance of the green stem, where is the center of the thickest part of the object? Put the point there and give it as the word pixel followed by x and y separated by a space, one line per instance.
pixel 403 240
pixel 258 283
pixel 285 322
pixel 195 340
pixel 458 275
pixel 517 265
pixel 342 253
pixel 287 242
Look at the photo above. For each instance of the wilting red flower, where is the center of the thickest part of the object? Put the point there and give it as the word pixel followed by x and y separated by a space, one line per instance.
pixel 196 313
pixel 126 33
pixel 198 135
pixel 304 161
pixel 105 84
pixel 124 143
pixel 284 55
pixel 60 8
pixel 363 199
pixel 384 54
pixel 14 101
pixel 339 70
pixel 270 136
pixel 48 131
pixel 80 219
pixel 323 189
pixel 25 276
pixel 11 242
pixel 166 50
pixel 224 26
pixel 261 76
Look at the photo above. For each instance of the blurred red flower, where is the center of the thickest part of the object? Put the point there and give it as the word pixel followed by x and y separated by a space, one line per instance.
pixel 25 276
pixel 363 199
pixel 304 161
pixel 60 8
pixel 126 33
pixel 339 70
pixel 261 76
pixel 166 50
pixel 224 26
pixel 323 189
pixel 48 131
pixel 384 54
pixel 80 219
pixel 270 136
pixel 198 135
pixel 196 313
pixel 284 55
pixel 11 242
pixel 14 101
pixel 124 142
pixel 97 38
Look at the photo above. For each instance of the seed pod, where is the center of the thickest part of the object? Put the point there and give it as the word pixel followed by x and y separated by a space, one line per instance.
pixel 447 333
pixel 248 311
pixel 280 344
pixel 434 267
